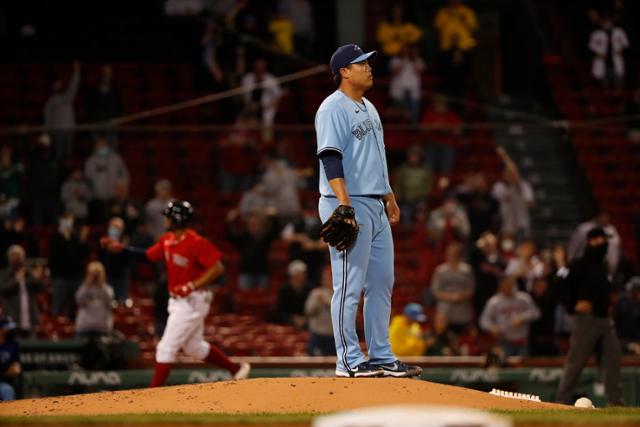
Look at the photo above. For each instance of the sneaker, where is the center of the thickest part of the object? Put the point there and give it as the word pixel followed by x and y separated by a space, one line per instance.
pixel 363 370
pixel 399 369
pixel 243 372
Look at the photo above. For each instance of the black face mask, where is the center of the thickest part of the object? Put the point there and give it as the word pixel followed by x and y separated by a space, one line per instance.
pixel 597 253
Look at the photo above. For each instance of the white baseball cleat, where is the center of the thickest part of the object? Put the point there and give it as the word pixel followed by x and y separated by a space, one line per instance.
pixel 243 372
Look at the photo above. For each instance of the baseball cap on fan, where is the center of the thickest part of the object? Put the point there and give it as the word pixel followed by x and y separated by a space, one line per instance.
pixel 349 54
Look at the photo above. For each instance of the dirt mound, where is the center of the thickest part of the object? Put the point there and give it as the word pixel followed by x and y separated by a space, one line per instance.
pixel 267 395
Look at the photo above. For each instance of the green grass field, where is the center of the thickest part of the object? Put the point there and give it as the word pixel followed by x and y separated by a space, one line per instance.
pixel 600 417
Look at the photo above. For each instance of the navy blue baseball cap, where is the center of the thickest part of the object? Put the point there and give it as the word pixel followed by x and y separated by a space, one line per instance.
pixel 349 54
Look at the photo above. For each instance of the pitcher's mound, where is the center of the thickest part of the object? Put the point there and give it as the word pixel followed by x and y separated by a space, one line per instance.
pixel 268 395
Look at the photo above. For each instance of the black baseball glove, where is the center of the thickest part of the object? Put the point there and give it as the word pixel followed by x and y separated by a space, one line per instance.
pixel 341 229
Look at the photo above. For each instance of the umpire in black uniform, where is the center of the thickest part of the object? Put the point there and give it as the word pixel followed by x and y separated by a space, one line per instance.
pixel 587 296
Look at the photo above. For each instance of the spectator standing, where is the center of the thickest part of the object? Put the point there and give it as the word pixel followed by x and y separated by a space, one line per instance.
pixel 104 169
pixel 507 316
pixel 578 240
pixel 396 33
pixel 10 368
pixel 117 264
pixel 59 115
pixel 526 266
pixel 68 251
pixel 406 334
pixel 282 185
pixel 75 195
pixel 300 13
pixel 405 87
pixel 19 287
pixel 94 298
pixel 263 99
pixel 516 197
pixel 608 44
pixel 255 201
pixel 126 207
pixel 317 310
pixel 453 286
pixel 627 316
pixel 281 28
pixel 43 182
pixel 153 210
pixel 292 296
pixel 414 182
pixel 482 209
pixel 488 268
pixel 440 340
pixel 252 238
pixel 11 173
pixel 103 104
pixel 586 294
pixel 238 155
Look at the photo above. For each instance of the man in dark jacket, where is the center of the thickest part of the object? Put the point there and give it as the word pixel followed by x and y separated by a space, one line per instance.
pixel 68 252
pixel 587 295
pixel 18 289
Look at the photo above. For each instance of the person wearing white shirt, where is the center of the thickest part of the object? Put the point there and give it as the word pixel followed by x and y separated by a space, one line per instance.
pixel 264 97
pixel 608 44
pixel 405 87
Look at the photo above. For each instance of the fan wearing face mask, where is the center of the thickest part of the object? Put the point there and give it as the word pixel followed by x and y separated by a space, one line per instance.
pixel 588 295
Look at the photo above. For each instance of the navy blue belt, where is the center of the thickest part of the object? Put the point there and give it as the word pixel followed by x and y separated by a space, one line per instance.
pixel 370 196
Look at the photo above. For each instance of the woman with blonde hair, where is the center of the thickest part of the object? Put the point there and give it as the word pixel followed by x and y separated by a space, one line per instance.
pixel 94 299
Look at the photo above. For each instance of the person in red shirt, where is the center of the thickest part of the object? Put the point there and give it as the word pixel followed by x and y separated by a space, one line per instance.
pixel 192 263
pixel 444 130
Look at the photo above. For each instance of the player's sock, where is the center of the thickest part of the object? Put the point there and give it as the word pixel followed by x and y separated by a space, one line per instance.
pixel 218 358
pixel 160 374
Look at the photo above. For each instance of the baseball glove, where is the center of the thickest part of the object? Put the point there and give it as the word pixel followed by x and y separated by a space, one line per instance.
pixel 340 230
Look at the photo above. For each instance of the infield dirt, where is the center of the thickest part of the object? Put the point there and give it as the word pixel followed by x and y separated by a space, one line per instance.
pixel 272 395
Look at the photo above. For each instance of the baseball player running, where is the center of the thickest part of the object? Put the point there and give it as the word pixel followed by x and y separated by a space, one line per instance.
pixel 357 207
pixel 192 262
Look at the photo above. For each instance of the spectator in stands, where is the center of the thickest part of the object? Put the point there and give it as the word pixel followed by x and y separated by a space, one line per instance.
pixel 453 286
pixel 303 236
pixel 43 182
pixel 440 340
pixel 252 235
pixel 443 129
pixel 281 28
pixel 627 316
pixel 456 24
pixel 59 116
pixel 405 87
pixel 103 169
pixel 300 13
pixel 210 41
pixel 542 339
pixel 104 103
pixel 68 251
pixel 515 196
pixel 406 334
pixel 126 207
pixel 507 316
pixel 578 240
pixel 12 232
pixel 449 220
pixel 75 195
pixel 482 209
pixel 19 286
pixel 317 310
pixel 154 208
pixel 632 109
pixel 396 33
pixel 10 368
pixel 293 295
pixel 11 173
pixel 282 185
pixel 94 299
pixel 238 155
pixel 255 201
pixel 263 99
pixel 608 44
pixel 488 267
pixel 413 185
pixel 526 266
pixel 116 264
pixel 587 294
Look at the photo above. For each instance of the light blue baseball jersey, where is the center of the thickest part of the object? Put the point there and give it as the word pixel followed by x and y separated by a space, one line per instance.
pixel 356 132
